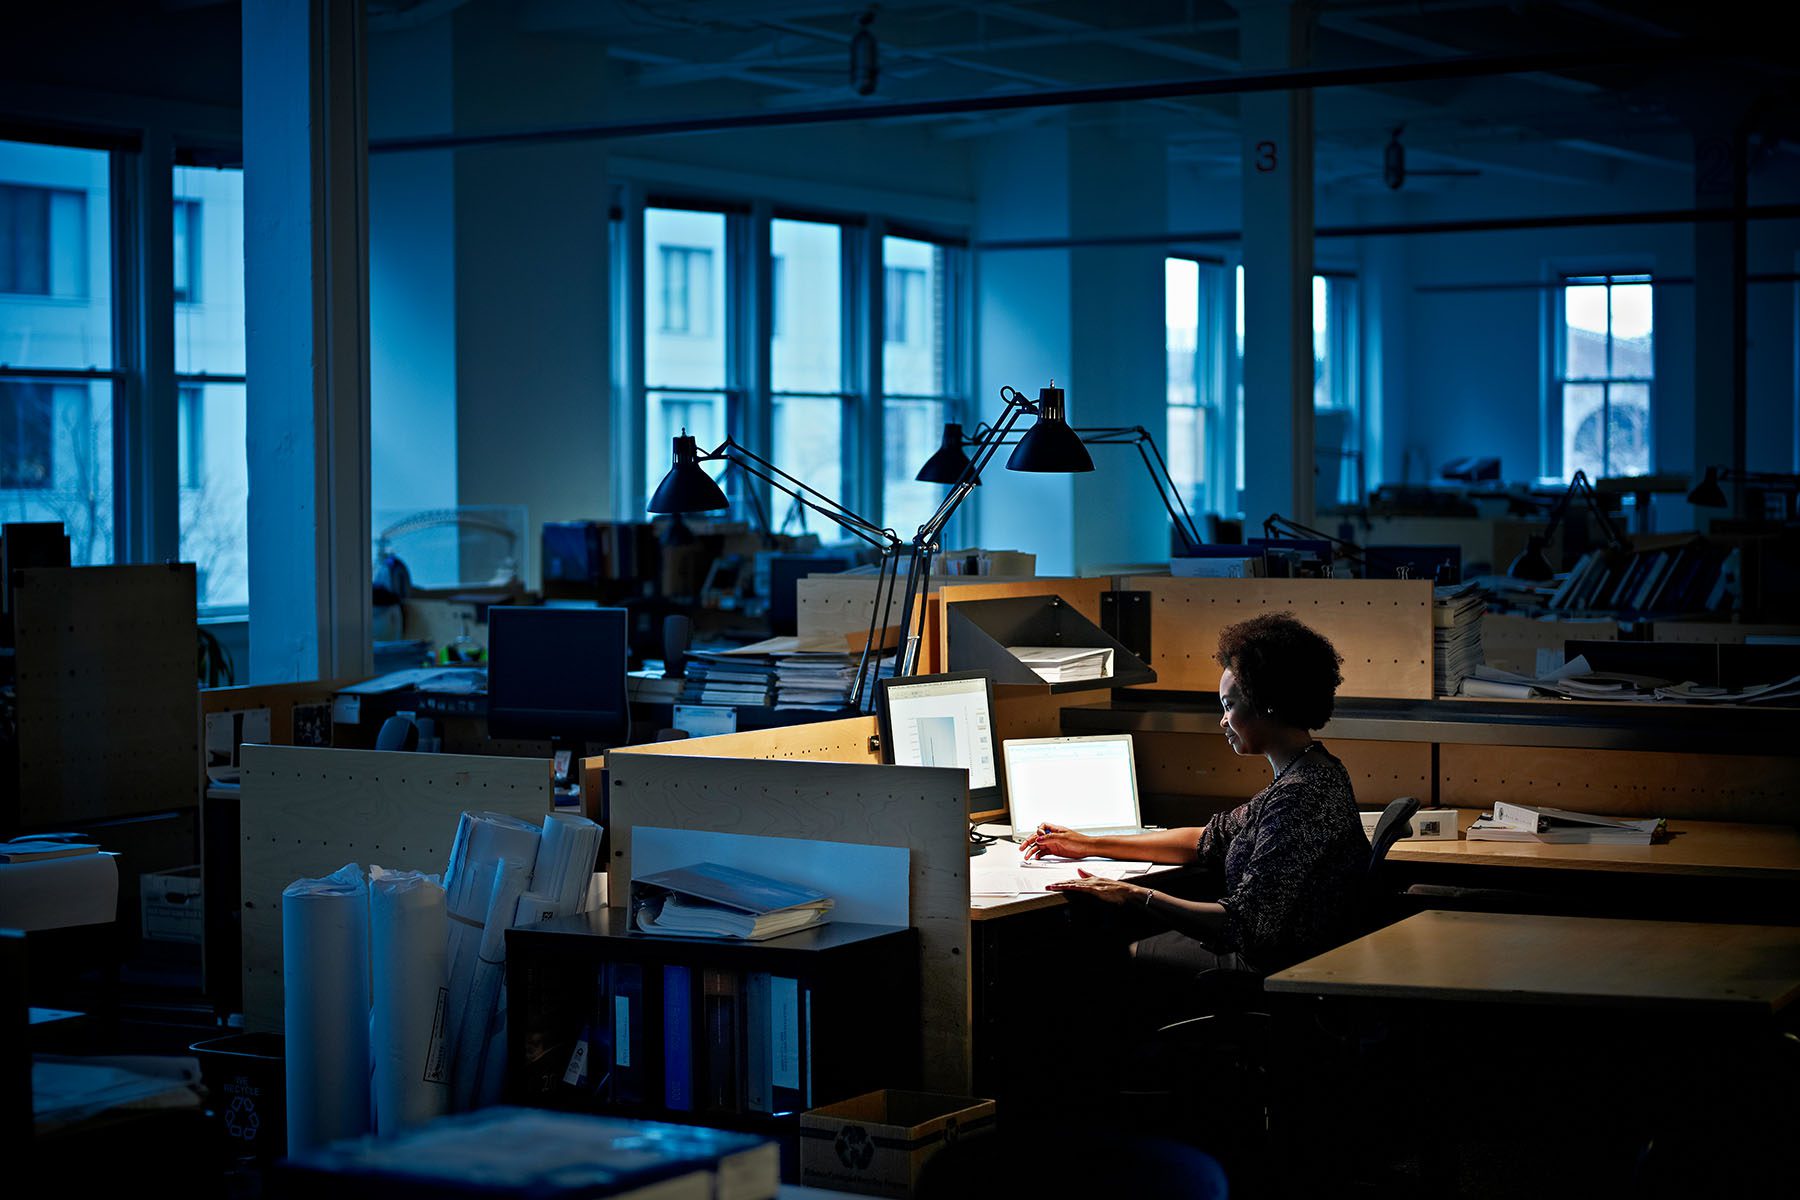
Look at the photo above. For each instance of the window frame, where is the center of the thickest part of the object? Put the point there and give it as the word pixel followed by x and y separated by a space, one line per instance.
pixel 1555 411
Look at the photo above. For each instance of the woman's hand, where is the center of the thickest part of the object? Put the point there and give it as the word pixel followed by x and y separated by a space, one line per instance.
pixel 1060 841
pixel 1113 891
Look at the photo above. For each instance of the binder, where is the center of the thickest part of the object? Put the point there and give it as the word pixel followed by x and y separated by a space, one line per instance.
pixel 678 1037
pixel 758 1060
pixel 627 1014
pixel 720 1010
pixel 788 1065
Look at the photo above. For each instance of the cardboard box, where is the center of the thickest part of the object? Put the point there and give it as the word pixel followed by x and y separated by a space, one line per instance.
pixel 876 1143
pixel 170 907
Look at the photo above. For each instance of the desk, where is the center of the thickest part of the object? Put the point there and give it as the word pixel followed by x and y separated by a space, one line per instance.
pixel 1615 1054
pixel 1516 959
pixel 1698 849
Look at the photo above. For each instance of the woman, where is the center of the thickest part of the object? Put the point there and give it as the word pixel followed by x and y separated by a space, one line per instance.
pixel 1292 858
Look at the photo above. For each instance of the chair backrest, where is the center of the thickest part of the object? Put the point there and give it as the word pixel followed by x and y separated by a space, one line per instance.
pixel 1395 823
pixel 1377 908
pixel 398 733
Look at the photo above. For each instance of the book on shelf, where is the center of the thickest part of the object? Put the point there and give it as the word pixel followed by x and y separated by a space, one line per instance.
pixel 678 1037
pixel 713 900
pixel 1066 664
pixel 719 1012
pixel 1515 822
pixel 37 849
pixel 547 1154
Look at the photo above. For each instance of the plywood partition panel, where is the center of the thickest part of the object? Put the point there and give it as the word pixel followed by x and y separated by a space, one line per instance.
pixel 307 811
pixel 846 741
pixel 1512 642
pixel 107 703
pixel 1382 627
pixel 918 808
pixel 278 698
pixel 1189 764
pixel 1639 783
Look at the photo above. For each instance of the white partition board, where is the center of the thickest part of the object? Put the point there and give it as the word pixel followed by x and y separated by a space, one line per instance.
pixel 921 809
pixel 306 811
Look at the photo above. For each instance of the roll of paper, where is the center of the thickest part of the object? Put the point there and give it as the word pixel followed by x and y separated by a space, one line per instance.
pixel 325 968
pixel 484 841
pixel 408 1030
pixel 482 1009
pixel 565 861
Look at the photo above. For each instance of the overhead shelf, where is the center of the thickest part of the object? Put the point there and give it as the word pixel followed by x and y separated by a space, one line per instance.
pixel 1711 729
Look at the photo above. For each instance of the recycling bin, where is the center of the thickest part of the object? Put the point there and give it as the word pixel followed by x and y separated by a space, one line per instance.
pixel 246 1083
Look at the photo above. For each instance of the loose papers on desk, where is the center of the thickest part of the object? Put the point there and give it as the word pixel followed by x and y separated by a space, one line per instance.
pixel 1036 875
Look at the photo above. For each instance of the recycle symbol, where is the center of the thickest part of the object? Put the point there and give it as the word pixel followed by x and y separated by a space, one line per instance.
pixel 854 1149
pixel 241 1120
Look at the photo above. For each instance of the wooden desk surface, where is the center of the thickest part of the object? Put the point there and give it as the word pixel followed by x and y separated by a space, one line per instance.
pixel 1694 848
pixel 1511 958
pixel 1003 855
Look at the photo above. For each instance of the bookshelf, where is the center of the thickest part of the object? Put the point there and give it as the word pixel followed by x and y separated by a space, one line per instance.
pixel 736 1035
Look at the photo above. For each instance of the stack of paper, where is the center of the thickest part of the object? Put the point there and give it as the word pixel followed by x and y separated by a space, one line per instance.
pixel 725 677
pixel 1066 664
pixel 1767 693
pixel 1514 822
pixel 1456 612
pixel 1575 680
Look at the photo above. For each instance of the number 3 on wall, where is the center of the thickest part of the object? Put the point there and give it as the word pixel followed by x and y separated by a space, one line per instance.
pixel 1265 157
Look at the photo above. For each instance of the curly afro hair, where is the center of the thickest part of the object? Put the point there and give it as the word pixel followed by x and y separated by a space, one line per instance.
pixel 1285 669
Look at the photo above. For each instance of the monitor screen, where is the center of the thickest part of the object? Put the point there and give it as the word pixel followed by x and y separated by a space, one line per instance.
pixel 944 721
pixel 557 673
pixel 1085 783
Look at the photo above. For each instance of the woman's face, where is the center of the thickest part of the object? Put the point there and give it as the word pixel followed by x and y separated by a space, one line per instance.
pixel 1243 728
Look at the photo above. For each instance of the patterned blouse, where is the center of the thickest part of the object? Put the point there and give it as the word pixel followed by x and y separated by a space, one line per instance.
pixel 1293 858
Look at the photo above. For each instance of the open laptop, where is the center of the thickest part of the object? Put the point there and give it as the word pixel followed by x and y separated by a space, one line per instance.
pixel 1088 784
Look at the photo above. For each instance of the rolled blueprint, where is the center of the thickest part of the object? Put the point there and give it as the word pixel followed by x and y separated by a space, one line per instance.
pixel 408 1035
pixel 565 861
pixel 482 1010
pixel 484 841
pixel 325 969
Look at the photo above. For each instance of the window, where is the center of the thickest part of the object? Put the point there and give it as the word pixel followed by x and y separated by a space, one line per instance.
pixel 43 241
pixel 25 428
pixel 686 290
pixel 1194 339
pixel 187 251
pixel 1605 370
pixel 212 462
pixel 920 373
pixel 905 305
pixel 57 373
pixel 1337 429
pixel 808 391
pixel 686 372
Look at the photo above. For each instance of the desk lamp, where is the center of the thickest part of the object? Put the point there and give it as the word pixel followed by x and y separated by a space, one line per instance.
pixel 687 488
pixel 1708 494
pixel 1533 564
pixel 1053 446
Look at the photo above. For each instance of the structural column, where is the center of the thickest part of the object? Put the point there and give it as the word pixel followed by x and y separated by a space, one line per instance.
pixel 1721 305
pixel 1278 268
pixel 306 286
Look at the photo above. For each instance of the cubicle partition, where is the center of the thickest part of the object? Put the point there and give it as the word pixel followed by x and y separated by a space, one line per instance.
pixel 308 811
pixel 921 809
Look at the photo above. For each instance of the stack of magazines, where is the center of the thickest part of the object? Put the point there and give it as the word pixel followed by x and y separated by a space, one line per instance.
pixel 1456 612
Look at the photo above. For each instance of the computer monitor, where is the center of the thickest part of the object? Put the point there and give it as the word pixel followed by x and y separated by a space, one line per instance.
pixel 558 673
pixel 945 721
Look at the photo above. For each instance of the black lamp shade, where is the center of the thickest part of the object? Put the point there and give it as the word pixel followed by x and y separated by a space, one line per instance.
pixel 1707 493
pixel 948 463
pixel 687 488
pixel 1050 446
pixel 1532 563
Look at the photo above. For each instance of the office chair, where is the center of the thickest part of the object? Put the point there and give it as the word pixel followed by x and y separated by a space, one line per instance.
pixel 1223 1052
pixel 398 733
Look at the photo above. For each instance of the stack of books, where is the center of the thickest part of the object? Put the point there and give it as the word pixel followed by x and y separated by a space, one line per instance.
pixel 1456 611
pixel 722 677
pixel 1513 822
pixel 1066 664
pixel 1696 576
